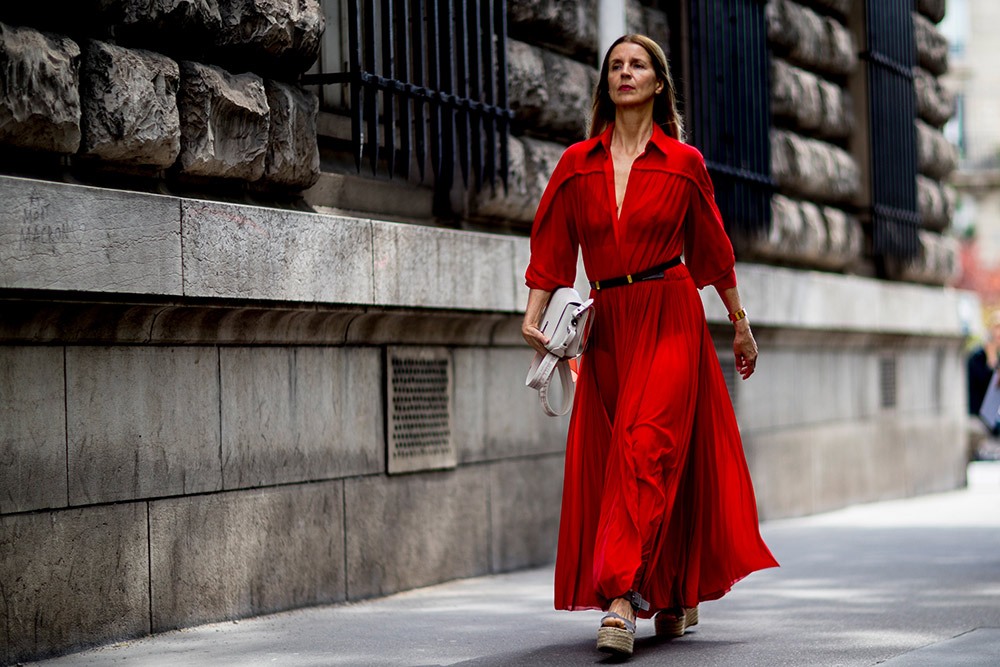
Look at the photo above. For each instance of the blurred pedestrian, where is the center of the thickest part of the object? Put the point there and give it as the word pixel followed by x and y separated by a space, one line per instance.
pixel 658 511
pixel 982 364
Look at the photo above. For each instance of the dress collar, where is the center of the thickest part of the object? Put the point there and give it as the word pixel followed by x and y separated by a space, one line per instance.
pixel 659 139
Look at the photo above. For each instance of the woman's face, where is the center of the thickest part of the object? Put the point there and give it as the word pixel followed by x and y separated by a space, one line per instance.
pixel 631 78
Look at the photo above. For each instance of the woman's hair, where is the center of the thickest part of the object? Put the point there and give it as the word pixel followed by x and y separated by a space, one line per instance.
pixel 665 104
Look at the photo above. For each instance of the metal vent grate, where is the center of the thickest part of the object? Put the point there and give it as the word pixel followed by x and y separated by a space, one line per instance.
pixel 419 410
pixel 887 380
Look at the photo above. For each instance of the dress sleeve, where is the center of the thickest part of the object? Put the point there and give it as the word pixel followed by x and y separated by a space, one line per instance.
pixel 708 252
pixel 553 234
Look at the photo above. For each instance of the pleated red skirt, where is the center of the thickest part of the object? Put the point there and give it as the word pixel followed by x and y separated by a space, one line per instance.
pixel 657 496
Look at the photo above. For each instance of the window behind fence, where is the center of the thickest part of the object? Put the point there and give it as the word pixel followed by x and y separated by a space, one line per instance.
pixel 425 84
pixel 890 56
pixel 729 111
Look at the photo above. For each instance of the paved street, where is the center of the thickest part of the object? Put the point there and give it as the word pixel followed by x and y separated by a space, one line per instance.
pixel 909 583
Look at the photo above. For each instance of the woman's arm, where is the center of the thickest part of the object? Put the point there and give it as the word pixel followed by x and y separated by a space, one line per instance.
pixel 537 300
pixel 744 346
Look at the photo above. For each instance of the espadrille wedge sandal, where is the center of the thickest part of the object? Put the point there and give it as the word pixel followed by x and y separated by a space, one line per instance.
pixel 620 641
pixel 670 625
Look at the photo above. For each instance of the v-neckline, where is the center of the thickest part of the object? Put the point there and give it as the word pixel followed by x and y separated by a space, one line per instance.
pixel 609 175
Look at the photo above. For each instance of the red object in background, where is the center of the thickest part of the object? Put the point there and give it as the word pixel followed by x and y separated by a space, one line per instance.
pixel 657 496
pixel 975 277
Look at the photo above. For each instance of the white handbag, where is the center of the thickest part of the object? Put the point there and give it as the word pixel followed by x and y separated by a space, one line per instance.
pixel 565 323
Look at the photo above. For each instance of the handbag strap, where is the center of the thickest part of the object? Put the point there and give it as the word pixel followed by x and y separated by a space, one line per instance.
pixel 540 377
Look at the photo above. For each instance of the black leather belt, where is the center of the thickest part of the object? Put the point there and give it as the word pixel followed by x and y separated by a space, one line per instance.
pixel 654 273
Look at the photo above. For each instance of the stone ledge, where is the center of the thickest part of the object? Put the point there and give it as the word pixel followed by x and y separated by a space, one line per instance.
pixel 487 277
pixel 778 297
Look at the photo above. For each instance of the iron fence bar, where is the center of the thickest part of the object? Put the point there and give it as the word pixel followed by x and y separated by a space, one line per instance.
pixel 417 92
pixel 447 85
pixel 357 105
pixel 730 108
pixel 460 90
pixel 403 62
pixel 489 123
pixel 475 91
pixel 500 28
pixel 890 59
pixel 434 71
pixel 388 101
pixel 371 92
pixel 463 78
pixel 418 79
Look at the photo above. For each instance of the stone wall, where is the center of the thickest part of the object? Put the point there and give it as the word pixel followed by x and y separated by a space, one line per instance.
pixel 196 104
pixel 817 174
pixel 818 178
pixel 552 71
pixel 203 409
pixel 937 157
pixel 193 391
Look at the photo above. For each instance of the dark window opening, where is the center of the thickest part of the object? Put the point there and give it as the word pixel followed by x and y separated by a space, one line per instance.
pixel 426 86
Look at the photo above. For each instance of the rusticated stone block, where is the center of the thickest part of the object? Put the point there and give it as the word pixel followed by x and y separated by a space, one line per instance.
pixel 540 159
pixel 299 414
pixel 808 39
pixel 807 235
pixel 130 106
pixel 935 264
pixel 72 578
pixel 935 104
pixel 225 123
pixel 515 204
pixel 32 437
pixel 526 81
pixel 844 239
pixel 158 23
pixel 568 26
pixel 571 89
pixel 39 90
pixel 549 92
pixel 292 152
pixel 838 111
pixel 142 422
pixel 932 9
pixel 936 155
pixel 813 169
pixel 648 21
pixel 271 35
pixel 932 46
pixel 936 202
pixel 795 95
pixel 812 104
pixel 440 530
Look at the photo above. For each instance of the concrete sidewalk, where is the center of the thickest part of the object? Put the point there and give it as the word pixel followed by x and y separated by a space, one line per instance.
pixel 902 583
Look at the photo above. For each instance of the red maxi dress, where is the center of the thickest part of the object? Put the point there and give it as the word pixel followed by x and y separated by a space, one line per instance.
pixel 657 497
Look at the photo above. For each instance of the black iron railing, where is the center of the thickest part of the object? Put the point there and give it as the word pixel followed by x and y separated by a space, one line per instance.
pixel 730 107
pixel 428 74
pixel 890 56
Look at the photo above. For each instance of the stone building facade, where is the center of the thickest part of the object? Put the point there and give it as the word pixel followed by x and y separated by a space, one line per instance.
pixel 253 377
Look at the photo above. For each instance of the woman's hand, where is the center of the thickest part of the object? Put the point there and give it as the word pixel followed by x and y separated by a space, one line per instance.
pixel 536 339
pixel 745 349
pixel 537 300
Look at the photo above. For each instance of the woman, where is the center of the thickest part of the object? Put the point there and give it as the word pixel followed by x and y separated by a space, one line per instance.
pixel 658 512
